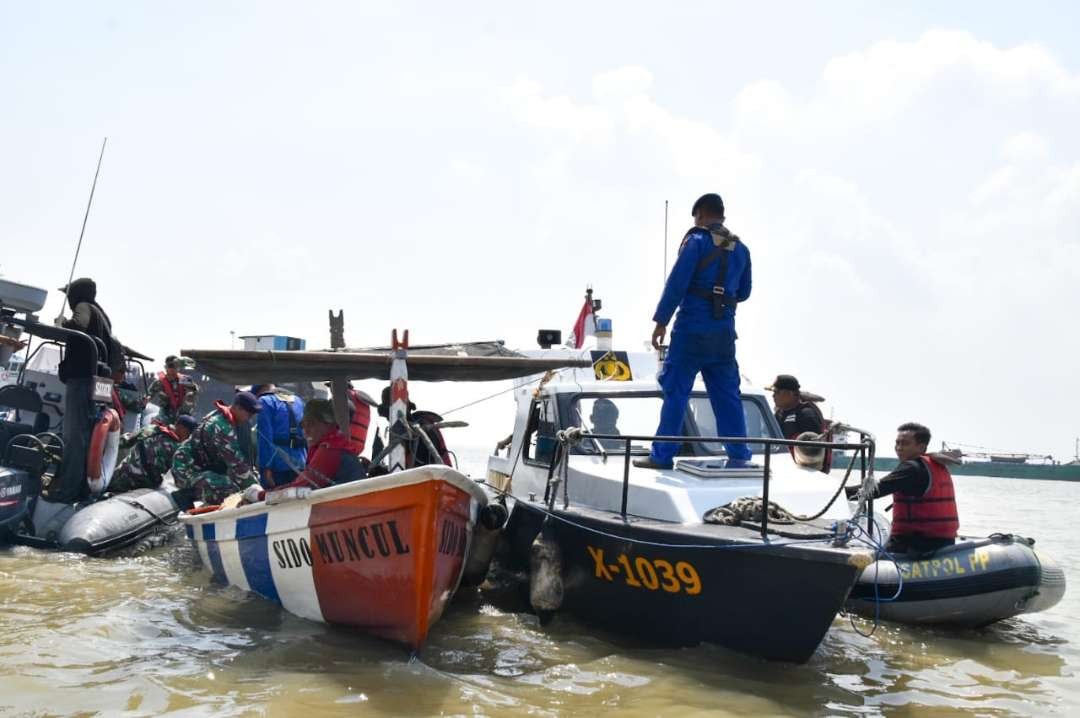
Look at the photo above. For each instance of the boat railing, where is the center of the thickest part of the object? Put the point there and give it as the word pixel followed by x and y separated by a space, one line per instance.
pixel 863 451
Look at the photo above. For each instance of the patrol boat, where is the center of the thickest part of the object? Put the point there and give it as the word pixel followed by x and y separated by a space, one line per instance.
pixel 383 554
pixel 679 556
pixel 31 450
pixel 976 582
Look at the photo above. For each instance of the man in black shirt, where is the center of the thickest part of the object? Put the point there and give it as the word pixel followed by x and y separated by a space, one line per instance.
pixel 794 413
pixel 924 508
pixel 798 416
pixel 78 372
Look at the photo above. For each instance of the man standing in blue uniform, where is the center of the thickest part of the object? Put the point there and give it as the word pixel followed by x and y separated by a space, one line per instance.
pixel 710 277
pixel 281 445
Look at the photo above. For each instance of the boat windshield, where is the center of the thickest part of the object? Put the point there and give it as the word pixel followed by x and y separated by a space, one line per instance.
pixel 637 415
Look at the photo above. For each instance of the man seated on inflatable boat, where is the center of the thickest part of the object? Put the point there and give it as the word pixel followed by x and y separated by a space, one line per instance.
pixel 924 516
pixel 330 458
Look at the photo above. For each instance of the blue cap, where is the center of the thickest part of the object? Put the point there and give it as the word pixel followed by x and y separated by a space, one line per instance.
pixel 247 401
pixel 188 422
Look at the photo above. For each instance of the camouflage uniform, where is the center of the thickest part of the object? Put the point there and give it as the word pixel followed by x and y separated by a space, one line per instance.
pixel 158 395
pixel 211 462
pixel 145 467
pixel 131 398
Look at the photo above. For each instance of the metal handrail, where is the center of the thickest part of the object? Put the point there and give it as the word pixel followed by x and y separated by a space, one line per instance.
pixel 864 448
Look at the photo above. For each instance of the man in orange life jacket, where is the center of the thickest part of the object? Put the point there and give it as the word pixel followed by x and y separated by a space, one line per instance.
pixel 330 458
pixel 924 504
pixel 359 417
pixel 173 392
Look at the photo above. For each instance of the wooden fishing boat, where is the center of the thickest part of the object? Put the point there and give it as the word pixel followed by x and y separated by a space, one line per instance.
pixel 382 554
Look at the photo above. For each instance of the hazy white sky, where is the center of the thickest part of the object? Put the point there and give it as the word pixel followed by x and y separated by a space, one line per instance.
pixel 907 179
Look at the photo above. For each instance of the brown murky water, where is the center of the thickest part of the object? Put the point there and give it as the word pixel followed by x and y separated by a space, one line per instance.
pixel 152 636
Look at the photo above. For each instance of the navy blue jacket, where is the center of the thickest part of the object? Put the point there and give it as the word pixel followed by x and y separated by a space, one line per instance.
pixel 696 313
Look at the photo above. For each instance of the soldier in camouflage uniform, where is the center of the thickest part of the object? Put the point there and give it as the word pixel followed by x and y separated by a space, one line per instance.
pixel 211 464
pixel 127 394
pixel 173 392
pixel 152 455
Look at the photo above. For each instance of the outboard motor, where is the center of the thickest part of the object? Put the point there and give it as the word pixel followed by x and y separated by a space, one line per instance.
pixel 25 458
pixel 14 501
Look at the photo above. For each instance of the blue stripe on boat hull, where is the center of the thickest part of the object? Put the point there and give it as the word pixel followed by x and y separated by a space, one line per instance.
pixel 255 556
pixel 209 534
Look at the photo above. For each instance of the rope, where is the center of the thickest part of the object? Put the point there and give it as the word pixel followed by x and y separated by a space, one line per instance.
pixel 548 376
pixel 839 490
pixel 750 509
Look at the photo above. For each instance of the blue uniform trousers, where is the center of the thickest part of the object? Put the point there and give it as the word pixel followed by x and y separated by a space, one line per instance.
pixel 713 355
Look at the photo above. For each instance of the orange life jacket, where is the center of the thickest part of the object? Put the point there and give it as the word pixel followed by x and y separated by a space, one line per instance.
pixel 932 514
pixel 175 393
pixel 359 421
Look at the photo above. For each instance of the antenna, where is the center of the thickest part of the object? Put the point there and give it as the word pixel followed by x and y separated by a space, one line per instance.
pixel 665 244
pixel 82 231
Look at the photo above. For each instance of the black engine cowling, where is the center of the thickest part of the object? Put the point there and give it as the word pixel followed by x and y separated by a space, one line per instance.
pixel 15 496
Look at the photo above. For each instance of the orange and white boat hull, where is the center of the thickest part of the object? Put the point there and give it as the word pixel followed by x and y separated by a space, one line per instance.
pixel 384 555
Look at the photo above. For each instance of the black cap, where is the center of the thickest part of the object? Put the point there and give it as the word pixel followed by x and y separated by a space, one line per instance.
pixel 188 422
pixel 247 401
pixel 711 203
pixel 384 405
pixel 172 361
pixel 784 381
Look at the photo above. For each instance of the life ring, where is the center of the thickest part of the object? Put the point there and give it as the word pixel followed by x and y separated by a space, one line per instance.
pixel 103 452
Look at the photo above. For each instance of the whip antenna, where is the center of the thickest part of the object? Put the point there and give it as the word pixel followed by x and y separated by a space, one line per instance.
pixel 82 231
pixel 665 243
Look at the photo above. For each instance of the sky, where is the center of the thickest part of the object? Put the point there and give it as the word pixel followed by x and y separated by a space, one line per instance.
pixel 906 176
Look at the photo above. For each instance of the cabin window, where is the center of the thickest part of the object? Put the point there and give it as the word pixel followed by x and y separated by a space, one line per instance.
pixel 540 432
pixel 757 423
pixel 616 415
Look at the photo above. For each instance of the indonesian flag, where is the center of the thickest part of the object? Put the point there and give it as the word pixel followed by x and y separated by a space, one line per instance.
pixel 585 326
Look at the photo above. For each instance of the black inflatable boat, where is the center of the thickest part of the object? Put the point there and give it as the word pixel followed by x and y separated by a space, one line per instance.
pixel 973 583
pixel 31 450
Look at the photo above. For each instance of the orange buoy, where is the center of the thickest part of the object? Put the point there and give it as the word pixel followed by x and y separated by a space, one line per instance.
pixel 103 452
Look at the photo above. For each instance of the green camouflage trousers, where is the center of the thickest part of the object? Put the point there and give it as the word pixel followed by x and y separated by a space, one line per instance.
pixel 210 487
pixel 127 477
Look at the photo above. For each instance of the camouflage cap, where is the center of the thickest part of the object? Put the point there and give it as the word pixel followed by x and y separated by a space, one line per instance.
pixel 320 410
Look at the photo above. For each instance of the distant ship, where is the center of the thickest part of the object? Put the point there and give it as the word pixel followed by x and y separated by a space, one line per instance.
pixel 982 462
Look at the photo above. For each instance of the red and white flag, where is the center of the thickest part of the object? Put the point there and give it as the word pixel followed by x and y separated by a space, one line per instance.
pixel 585 326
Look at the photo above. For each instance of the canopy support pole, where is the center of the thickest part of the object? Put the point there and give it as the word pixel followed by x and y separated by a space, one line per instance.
pixel 339 388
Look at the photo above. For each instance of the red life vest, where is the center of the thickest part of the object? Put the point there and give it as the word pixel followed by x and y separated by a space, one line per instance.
pixel 226 411
pixel 932 514
pixel 168 431
pixel 175 393
pixel 359 421
pixel 324 461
